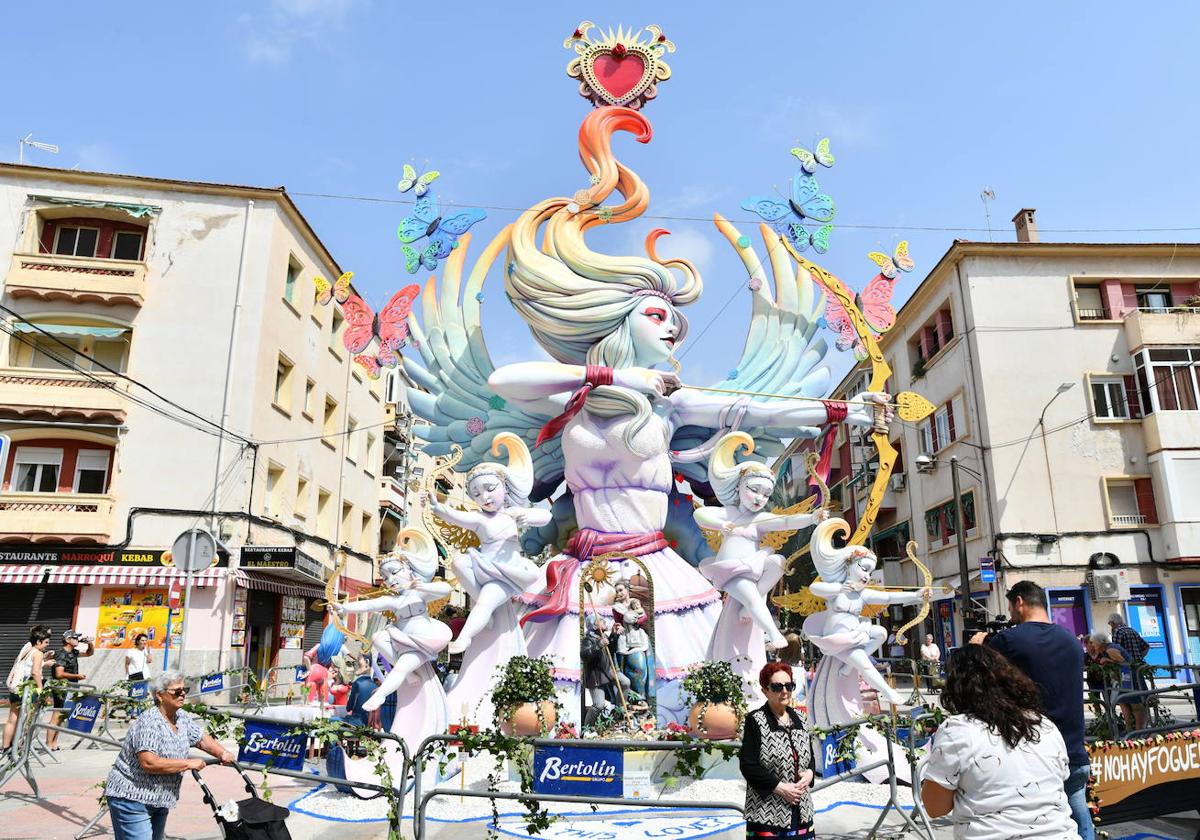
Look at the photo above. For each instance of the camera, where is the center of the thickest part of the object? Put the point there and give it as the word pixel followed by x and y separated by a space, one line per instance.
pixel 977 621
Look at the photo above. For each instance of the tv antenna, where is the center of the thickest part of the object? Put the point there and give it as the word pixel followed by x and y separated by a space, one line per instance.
pixel 987 195
pixel 28 140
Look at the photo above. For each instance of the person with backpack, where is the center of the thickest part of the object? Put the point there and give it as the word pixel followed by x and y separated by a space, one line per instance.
pixel 30 662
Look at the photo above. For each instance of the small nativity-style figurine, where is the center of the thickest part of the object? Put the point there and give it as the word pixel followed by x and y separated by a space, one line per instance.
pixel 740 567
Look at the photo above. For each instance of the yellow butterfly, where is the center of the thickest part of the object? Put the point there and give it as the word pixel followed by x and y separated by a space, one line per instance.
pixel 411 181
pixel 809 160
pixel 899 260
pixel 339 289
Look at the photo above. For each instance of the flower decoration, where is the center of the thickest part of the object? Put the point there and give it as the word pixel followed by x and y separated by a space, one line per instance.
pixel 605 214
pixel 479 296
pixel 475 426
pixel 733 374
pixel 755 284
pixel 496 402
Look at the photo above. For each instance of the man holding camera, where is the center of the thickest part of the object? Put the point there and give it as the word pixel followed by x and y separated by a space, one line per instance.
pixel 1053 658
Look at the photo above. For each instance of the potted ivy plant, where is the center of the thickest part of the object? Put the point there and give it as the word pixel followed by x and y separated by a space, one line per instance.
pixel 524 697
pixel 718 701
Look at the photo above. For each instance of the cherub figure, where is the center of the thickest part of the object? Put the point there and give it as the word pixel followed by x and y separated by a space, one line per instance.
pixel 740 567
pixel 496 572
pixel 413 638
pixel 633 646
pixel 839 630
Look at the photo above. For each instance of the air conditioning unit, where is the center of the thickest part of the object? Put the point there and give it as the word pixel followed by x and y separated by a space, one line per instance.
pixel 899 481
pixel 1109 584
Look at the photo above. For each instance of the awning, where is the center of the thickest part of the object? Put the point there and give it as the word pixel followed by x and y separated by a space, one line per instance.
pixel 70 330
pixel 137 211
pixel 269 583
pixel 131 575
pixel 22 574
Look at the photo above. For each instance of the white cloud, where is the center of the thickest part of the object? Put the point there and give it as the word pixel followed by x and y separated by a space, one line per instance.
pixel 273 35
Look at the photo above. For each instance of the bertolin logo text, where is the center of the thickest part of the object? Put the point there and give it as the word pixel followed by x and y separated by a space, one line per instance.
pixel 577 771
pixel 85 711
pixel 211 682
pixel 274 745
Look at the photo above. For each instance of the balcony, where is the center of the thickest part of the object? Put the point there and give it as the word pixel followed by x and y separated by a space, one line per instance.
pixel 61 395
pixel 1128 520
pixel 391 495
pixel 56 517
pixel 1171 430
pixel 53 277
pixel 1177 325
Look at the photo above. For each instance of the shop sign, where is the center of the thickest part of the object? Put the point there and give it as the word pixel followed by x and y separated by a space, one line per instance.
pixel 582 771
pixel 987 570
pixel 269 743
pixel 212 682
pixel 80 557
pixel 281 557
pixel 83 714
pixel 1125 768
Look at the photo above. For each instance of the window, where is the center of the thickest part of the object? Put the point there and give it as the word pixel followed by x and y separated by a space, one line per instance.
pixel 283 383
pixel 289 281
pixel 941 522
pixel 76 241
pixel 91 471
pixel 352 442
pixel 367 535
pixel 334 342
pixel 1167 378
pixel 330 426
pixel 1115 398
pixel 1089 304
pixel 1130 502
pixel 941 430
pixel 274 501
pixel 36 469
pixel 301 507
pixel 347 522
pixel 324 514
pixel 310 398
pixel 70 347
pixel 127 245
pixel 1153 298
pixel 369 454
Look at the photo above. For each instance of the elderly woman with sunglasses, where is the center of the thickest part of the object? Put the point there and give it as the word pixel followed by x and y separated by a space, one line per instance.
pixel 143 784
pixel 776 759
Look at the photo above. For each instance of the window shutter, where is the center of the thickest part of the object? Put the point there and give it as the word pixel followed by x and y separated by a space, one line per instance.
pixel 933 433
pixel 950 421
pixel 1144 489
pixel 1131 398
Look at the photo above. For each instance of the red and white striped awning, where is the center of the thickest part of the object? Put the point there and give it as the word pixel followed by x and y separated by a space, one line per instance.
pixel 131 575
pixel 22 574
pixel 267 583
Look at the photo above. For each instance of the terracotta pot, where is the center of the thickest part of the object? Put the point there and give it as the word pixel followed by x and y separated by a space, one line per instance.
pixel 715 721
pixel 524 721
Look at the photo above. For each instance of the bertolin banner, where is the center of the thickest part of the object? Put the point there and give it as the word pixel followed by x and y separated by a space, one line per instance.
pixel 582 771
pixel 83 714
pixel 269 743
pixel 211 683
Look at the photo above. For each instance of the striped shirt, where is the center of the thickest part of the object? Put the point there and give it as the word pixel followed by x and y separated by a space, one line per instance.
pixel 152 733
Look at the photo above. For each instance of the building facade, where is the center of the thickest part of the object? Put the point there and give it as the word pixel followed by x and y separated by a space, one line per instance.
pixel 164 365
pixel 1065 380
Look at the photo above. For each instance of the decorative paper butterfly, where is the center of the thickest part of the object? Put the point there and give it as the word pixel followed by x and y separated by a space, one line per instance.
pixel 787 217
pixel 899 260
pixel 809 160
pixel 443 233
pixel 874 302
pixel 340 288
pixel 421 184
pixel 390 325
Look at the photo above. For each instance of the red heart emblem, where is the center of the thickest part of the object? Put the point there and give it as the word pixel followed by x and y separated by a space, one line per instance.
pixel 618 76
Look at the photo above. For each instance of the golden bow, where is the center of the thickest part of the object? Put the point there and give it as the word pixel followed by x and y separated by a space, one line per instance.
pixel 927 577
pixel 451 537
pixel 331 598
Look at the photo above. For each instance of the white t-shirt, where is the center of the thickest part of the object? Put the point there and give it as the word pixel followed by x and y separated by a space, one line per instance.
pixel 931 652
pixel 137 662
pixel 1002 793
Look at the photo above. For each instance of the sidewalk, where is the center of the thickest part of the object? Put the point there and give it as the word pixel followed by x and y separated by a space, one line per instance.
pixel 70 790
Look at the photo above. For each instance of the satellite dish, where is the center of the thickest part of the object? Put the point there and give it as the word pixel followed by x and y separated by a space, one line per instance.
pixel 194 550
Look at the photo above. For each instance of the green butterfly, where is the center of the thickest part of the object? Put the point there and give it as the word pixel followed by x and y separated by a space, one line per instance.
pixel 809 160
pixel 411 180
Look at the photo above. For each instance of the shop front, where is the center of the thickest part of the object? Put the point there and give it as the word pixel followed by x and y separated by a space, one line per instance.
pixel 275 616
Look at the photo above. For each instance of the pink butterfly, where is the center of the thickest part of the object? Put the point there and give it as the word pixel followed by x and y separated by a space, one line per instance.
pixel 874 302
pixel 390 325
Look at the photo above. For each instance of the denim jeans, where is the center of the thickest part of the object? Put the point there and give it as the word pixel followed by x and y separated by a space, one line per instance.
pixel 135 821
pixel 1076 788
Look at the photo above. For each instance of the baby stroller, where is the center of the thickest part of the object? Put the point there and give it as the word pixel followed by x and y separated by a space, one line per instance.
pixel 257 818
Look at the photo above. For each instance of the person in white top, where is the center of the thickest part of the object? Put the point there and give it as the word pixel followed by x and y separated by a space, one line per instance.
pixel 137 660
pixel 930 652
pixel 997 765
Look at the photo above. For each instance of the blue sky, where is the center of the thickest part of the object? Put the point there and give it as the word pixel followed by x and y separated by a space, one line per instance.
pixel 1083 111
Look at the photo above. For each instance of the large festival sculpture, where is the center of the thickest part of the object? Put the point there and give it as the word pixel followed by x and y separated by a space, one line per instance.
pixel 620 446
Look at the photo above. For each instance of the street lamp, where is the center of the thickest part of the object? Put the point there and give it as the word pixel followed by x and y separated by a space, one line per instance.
pixel 1062 389
pixel 964 573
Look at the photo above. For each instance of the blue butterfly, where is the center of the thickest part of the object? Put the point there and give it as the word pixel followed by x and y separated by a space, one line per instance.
pixel 787 218
pixel 443 233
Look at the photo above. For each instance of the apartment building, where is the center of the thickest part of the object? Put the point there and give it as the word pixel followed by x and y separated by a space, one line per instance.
pixel 1066 382
pixel 141 316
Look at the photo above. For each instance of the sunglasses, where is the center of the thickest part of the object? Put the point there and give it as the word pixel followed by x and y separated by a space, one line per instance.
pixel 176 692
pixel 778 687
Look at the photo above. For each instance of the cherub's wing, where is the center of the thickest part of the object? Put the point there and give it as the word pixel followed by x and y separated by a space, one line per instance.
pixel 452 391
pixel 784 350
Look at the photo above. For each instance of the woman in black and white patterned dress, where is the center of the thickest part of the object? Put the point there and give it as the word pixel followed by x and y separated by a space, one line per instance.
pixel 143 784
pixel 776 759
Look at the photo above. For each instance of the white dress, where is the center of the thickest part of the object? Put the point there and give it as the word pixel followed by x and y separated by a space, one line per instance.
pixel 1002 793
pixel 618 491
